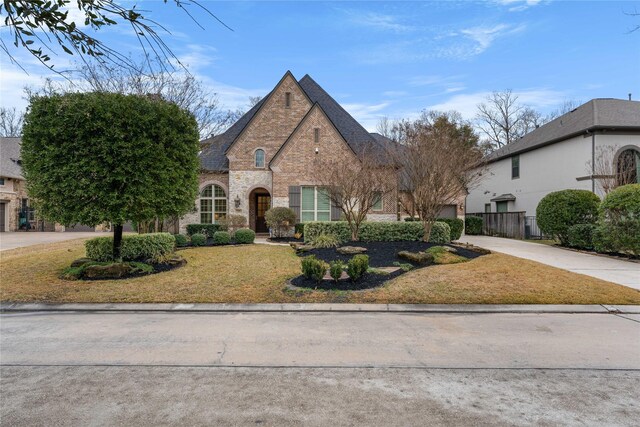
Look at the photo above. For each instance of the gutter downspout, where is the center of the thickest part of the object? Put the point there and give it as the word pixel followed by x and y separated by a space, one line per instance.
pixel 593 162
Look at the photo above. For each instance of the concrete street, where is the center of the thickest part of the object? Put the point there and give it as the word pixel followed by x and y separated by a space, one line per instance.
pixel 613 270
pixel 20 239
pixel 319 369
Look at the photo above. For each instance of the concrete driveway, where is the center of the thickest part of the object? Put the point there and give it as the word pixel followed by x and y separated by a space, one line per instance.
pixel 622 272
pixel 22 239
pixel 318 369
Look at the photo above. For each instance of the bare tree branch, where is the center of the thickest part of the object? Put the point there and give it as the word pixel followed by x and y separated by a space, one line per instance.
pixel 11 121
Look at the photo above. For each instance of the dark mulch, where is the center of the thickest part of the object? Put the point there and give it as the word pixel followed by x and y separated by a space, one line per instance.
pixel 367 281
pixel 284 240
pixel 383 254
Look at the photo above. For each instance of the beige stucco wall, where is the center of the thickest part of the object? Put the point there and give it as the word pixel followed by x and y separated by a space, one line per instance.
pixel 12 193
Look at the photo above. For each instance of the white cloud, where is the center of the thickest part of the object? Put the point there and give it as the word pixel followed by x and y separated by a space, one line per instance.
pixel 518 5
pixel 367 114
pixel 485 36
pixel 378 21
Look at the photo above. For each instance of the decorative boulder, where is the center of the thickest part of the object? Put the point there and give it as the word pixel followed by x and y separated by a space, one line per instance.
pixel 176 261
pixel 450 249
pixel 416 257
pixel 477 249
pixel 110 271
pixel 351 250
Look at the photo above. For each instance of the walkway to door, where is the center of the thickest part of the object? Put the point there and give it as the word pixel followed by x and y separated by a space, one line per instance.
pixel 613 270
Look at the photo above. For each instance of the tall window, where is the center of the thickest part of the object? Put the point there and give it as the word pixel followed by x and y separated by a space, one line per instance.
pixel 316 135
pixel 213 204
pixel 287 99
pixel 315 205
pixel 628 167
pixel 259 158
pixel 515 167
pixel 377 202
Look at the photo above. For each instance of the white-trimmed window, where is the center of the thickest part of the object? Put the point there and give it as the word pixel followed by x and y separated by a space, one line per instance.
pixel 213 204
pixel 315 205
pixel 377 202
pixel 259 155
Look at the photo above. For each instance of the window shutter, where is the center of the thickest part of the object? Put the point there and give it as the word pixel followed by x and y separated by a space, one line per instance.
pixel 294 200
pixel 335 212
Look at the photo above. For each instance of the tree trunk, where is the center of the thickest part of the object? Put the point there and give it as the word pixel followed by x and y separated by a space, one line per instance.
pixel 427 230
pixel 117 243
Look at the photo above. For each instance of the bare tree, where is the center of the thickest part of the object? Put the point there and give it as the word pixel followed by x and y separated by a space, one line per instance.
pixel 611 171
pixel 11 121
pixel 566 107
pixel 530 120
pixel 440 160
pixel 355 185
pixel 178 87
pixel 500 117
pixel 253 101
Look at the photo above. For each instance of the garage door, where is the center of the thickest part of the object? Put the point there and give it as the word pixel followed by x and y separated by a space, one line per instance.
pixel 3 217
pixel 79 227
pixel 448 211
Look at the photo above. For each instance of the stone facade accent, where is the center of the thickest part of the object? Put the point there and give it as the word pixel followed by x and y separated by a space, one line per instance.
pixel 374 217
pixel 12 193
pixel 241 185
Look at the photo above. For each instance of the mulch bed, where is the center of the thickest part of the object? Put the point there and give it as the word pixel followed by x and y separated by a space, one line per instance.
pixel 383 254
pixel 157 268
pixel 367 281
pixel 284 240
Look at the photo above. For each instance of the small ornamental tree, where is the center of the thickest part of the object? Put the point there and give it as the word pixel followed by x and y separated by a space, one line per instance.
pixel 93 158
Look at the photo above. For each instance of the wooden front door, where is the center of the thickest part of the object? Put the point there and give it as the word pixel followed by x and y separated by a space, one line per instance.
pixel 263 204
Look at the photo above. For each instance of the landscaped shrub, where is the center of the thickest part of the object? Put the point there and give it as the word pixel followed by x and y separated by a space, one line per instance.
pixel 357 266
pixel 440 233
pixel 221 238
pixel 456 225
pixel 299 228
pixel 335 269
pixel 581 236
pixel 244 236
pixel 325 241
pixel 232 223
pixel 181 240
pixel 391 231
pixel 136 247
pixel 280 220
pixel 313 268
pixel 206 229
pixel 198 239
pixel 473 225
pixel 559 210
pixel 619 229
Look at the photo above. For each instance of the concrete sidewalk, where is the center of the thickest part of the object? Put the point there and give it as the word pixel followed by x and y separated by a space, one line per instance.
pixel 13 240
pixel 622 272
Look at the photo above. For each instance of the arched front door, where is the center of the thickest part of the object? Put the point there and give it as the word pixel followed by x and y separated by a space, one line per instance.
pixel 259 203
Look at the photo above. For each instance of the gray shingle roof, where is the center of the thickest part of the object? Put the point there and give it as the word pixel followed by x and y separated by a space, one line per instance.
pixel 213 156
pixel 594 115
pixel 10 157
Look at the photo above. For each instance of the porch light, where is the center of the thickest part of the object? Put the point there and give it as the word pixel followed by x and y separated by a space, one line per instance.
pixel 236 201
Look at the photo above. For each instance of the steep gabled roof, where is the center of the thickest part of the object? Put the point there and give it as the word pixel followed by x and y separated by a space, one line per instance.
pixel 213 156
pixel 10 157
pixel 597 114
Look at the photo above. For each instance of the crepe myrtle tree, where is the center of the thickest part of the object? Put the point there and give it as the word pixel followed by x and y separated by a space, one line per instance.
pixel 93 158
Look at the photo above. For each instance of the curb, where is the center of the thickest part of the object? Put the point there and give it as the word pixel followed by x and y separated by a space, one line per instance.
pixel 320 308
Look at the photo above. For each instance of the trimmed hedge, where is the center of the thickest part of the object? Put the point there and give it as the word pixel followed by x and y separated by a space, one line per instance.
pixel 392 231
pixel 244 236
pixel 440 233
pixel 221 238
pixel 559 210
pixel 473 225
pixel 181 240
pixel 581 236
pixel 198 239
pixel 619 229
pixel 299 228
pixel 206 229
pixel 137 247
pixel 456 226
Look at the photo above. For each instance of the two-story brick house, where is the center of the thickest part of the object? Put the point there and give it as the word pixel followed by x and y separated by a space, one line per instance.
pixel 265 159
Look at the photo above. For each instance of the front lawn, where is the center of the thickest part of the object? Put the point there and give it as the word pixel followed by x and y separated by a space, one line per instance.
pixel 257 274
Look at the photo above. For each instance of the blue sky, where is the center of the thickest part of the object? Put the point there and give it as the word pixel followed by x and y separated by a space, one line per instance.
pixel 397 58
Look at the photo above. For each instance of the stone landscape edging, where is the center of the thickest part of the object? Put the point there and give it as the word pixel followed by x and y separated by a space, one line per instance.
pixel 320 308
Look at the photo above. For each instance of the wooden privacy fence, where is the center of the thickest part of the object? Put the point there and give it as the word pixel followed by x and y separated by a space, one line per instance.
pixel 503 224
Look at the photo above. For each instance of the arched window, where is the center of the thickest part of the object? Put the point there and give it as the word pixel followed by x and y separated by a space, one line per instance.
pixel 259 158
pixel 213 204
pixel 628 167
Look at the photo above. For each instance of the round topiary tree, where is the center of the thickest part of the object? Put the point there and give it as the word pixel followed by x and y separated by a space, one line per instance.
pixel 620 220
pixel 95 158
pixel 280 220
pixel 559 210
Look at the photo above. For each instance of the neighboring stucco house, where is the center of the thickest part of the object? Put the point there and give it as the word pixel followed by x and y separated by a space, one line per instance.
pixel 562 154
pixel 265 159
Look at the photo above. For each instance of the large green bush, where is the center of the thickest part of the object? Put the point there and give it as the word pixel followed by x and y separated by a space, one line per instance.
pixel 152 246
pixel 559 210
pixel 391 231
pixel 473 225
pixel 206 229
pixel 440 233
pixel 198 239
pixel 456 226
pixel 221 238
pixel 280 220
pixel 619 229
pixel 244 236
pixel 581 236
